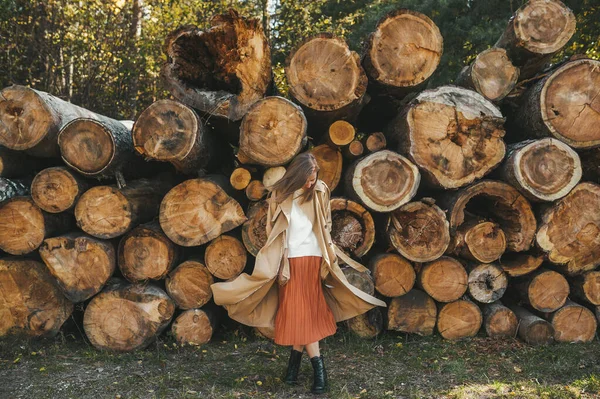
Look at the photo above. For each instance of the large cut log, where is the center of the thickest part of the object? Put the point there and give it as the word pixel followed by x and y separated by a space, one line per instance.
pixel 330 163
pixel 459 319
pixel 10 188
pixel 198 211
pixel 453 135
pixel 352 226
pixel 23 225
pixel 221 71
pixel 537 31
pixel 418 230
pixel 369 324
pixel 145 253
pixel 587 287
pixel 564 105
pixel 325 77
pixel 31 119
pixel 479 240
pixel 58 189
pixel 542 170
pixel 189 285
pixel 533 329
pixel 382 181
pixel 487 282
pixel 194 327
pixel 402 52
pixel 80 264
pixel 31 303
pixel 544 290
pixel 393 275
pixel 126 317
pixel 254 231
pixel 170 131
pixel 444 279
pixel 570 230
pixel 108 211
pixel 499 321
pixel 18 163
pixel 273 131
pixel 225 257
pixel 414 313
pixel 495 201
pixel 491 74
pixel 573 323
pixel 519 264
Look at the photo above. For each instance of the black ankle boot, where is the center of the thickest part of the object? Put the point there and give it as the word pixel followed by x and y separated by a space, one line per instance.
pixel 320 377
pixel 291 375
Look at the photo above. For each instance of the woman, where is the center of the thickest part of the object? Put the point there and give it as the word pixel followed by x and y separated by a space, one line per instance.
pixel 312 293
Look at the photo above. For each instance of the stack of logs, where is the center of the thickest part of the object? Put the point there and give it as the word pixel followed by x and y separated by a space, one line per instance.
pixel 472 206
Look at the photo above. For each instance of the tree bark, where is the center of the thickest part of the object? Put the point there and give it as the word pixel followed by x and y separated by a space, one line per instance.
pixel 189 285
pixel 587 287
pixel 414 313
pixel 520 264
pixel 367 325
pixel 352 227
pixel 225 257
pixel 499 321
pixel 445 279
pixel 532 329
pixel 459 319
pixel 393 275
pixel 58 189
pixel 18 163
pixel 10 188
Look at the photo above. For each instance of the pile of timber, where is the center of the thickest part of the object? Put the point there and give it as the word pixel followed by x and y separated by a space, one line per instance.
pixel 476 207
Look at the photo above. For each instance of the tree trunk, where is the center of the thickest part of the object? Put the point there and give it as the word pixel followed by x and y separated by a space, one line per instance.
pixel 80 264
pixel 18 163
pixel 189 285
pixel 32 303
pixel 520 264
pixel 570 230
pixel 487 282
pixel 453 135
pixel 13 188
pixel 145 253
pixel 194 327
pixel 225 257
pixel 375 142
pixel 126 317
pixel 587 287
pixel 352 227
pixel 459 319
pixel 254 231
pixel 479 240
pixel 414 313
pixel 382 181
pixel 58 189
pixel 573 323
pixel 330 162
pixel 499 321
pixel 445 279
pixel 108 212
pixel 544 290
pixel 532 329
pixel 393 275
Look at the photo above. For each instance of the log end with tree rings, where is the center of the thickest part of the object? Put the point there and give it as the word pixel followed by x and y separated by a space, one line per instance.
pixel 481 240
pixel 225 257
pixel 459 319
pixel 189 285
pixel 367 325
pixel 542 170
pixel 254 231
pixel 125 317
pixel 519 264
pixel 273 131
pixel 193 327
pixel 255 191
pixel 499 321
pixel 330 163
pixel 419 231
pixel 393 275
pixel 274 174
pixel 240 178
pixel 221 71
pixel 403 51
pixel 22 226
pixel 352 226
pixel 587 287
pixel 32 303
pixel 80 264
pixel 383 181
pixel 104 212
pixel 487 282
pixel 57 189
pixel 574 323
pixel 375 142
pixel 198 211
pixel 341 133
pixel 444 279
pixel 570 230
pixel 414 313
pixel 544 290
pixel 353 150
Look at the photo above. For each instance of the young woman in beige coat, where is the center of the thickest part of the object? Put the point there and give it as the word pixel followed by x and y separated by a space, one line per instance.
pixel 297 286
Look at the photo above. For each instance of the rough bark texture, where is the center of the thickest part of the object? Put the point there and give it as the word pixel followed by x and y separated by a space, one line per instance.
pixel 225 257
pixel 10 188
pixel 532 329
pixel 189 285
pixel 587 287
pixel 519 264
pixel 573 323
pixel 414 313
pixel 393 275
pixel 58 189
pixel 352 227
pixel 445 279
pixel 499 321
pixel 18 163
pixel 459 319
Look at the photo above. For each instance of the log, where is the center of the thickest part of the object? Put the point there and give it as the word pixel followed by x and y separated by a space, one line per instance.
pixel 537 31
pixel 145 253
pixel 10 188
pixel 194 327
pixel 544 290
pixel 254 231
pixel 198 211
pixel 353 150
pixel 58 189
pixel 393 275
pixel 127 317
pixel 225 257
pixel 491 74
pixel 273 131
pixel 272 176
pixel 418 230
pixel 189 285
pixel 80 264
pixel 459 319
pixel 453 135
pixel 340 133
pixel 23 225
pixel 18 163
pixel 382 181
pixel 402 53
pixel 499 321
pixel 330 163
pixel 569 231
pixel 520 264
pixel 573 323
pixel 587 287
pixel 444 279
pixel 367 325
pixel 221 71
pixel 108 212
pixel 479 240
pixel 375 142
pixel 169 131
pixel 255 191
pixel 564 105
pixel 325 77
pixel 352 227
pixel 240 178
pixel 487 282
pixel 414 313
pixel 360 280
pixel 31 119
pixel 542 170
pixel 532 329
pixel 31 302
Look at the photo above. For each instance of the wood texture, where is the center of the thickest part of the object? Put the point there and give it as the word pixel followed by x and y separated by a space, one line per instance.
pixel 393 275
pixel 352 226
pixel 58 189
pixel 444 279
pixel 189 285
pixel 414 313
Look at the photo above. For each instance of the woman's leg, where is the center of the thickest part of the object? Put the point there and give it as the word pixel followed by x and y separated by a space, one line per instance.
pixel 299 348
pixel 313 349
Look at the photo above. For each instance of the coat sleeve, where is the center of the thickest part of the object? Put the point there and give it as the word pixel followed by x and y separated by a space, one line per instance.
pixel 269 224
pixel 327 209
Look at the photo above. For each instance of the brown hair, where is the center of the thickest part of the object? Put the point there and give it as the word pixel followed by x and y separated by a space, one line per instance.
pixel 296 175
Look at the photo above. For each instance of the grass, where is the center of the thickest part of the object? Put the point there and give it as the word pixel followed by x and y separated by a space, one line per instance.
pixel 237 364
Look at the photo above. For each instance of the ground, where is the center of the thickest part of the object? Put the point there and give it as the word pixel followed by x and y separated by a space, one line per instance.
pixel 238 364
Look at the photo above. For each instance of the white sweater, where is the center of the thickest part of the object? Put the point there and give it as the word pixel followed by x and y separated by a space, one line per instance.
pixel 301 238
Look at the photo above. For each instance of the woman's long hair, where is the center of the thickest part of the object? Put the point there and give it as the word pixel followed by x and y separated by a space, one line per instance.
pixel 296 175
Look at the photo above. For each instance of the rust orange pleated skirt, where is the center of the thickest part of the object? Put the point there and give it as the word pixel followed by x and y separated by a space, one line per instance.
pixel 303 316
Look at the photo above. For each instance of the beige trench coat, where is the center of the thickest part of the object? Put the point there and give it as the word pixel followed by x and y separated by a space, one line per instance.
pixel 253 299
